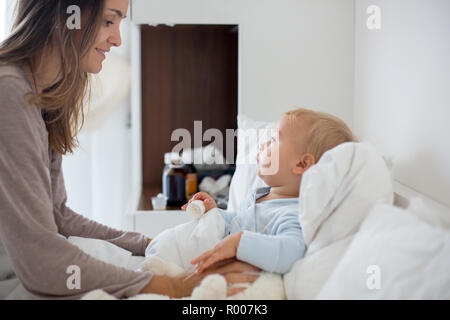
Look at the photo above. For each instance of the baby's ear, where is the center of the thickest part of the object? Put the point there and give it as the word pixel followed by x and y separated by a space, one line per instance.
pixel 304 163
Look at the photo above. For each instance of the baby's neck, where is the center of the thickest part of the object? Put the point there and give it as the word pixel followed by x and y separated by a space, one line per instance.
pixel 283 192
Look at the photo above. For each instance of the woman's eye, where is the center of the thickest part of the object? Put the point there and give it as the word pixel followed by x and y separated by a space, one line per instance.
pixel 108 23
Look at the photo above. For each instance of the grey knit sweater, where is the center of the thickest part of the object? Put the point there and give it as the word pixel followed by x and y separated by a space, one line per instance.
pixel 33 212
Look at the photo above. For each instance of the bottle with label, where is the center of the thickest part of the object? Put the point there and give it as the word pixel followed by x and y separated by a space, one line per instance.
pixel 191 174
pixel 174 181
pixel 191 180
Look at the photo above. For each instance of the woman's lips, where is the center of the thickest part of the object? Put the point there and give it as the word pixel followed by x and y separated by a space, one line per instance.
pixel 102 53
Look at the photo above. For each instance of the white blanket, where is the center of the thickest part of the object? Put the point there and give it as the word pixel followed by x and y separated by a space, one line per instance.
pixel 181 244
pixel 397 254
pixel 172 250
pixel 336 195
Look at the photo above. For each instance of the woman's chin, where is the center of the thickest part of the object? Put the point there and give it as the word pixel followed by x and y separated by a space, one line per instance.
pixel 94 69
pixel 97 69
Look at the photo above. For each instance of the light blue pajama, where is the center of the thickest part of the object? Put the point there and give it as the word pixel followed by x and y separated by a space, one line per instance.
pixel 272 237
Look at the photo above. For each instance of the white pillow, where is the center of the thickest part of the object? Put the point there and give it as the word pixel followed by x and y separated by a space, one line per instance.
pixel 395 255
pixel 251 134
pixel 338 192
pixel 336 195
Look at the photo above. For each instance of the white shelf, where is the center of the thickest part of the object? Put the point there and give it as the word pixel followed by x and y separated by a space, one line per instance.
pixel 151 223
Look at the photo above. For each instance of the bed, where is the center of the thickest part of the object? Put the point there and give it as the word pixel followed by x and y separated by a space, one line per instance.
pixel 367 238
pixel 399 102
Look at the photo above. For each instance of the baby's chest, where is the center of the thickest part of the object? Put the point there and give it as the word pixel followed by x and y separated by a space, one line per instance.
pixel 256 220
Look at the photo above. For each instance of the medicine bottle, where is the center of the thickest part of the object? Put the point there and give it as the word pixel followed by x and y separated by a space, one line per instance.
pixel 191 180
pixel 174 183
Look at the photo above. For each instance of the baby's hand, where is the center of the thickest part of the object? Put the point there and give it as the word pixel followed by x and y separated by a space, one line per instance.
pixel 208 201
pixel 225 249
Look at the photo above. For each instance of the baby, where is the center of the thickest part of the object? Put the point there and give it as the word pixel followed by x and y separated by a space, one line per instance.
pixel 265 231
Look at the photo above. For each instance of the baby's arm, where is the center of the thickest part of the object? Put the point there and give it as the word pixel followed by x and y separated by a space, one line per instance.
pixel 208 201
pixel 274 253
pixel 225 249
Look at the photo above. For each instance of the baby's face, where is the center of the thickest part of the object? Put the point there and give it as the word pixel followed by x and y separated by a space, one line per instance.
pixel 278 156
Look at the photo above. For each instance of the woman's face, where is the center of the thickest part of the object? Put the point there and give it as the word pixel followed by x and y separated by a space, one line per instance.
pixel 108 35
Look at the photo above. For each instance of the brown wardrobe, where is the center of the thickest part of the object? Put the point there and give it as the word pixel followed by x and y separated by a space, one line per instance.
pixel 189 73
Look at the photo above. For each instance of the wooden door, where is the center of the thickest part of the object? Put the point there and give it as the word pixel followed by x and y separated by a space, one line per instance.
pixel 189 73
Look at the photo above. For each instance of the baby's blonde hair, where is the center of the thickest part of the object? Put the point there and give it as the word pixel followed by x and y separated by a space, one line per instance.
pixel 325 131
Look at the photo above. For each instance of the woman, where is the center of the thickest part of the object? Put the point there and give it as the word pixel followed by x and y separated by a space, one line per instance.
pixel 44 77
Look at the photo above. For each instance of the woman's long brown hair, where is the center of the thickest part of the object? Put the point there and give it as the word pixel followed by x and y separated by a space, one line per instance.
pixel 39 24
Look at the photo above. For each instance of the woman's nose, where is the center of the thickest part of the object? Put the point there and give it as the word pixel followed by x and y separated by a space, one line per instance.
pixel 115 39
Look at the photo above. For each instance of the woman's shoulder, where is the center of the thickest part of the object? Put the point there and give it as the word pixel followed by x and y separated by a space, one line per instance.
pixel 12 70
pixel 14 102
pixel 13 81
pixel 22 129
pixel 9 72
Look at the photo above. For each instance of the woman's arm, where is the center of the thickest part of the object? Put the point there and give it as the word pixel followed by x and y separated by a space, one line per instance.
pixel 73 224
pixel 46 264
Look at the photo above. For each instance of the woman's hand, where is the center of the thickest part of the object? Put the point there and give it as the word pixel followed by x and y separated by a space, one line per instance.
pixel 208 201
pixel 225 249
pixel 176 287
pixel 234 272
pixel 182 286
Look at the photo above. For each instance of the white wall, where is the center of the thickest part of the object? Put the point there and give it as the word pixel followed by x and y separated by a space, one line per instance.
pixel 390 84
pixel 98 174
pixel 6 17
pixel 2 20
pixel 291 52
pixel 402 96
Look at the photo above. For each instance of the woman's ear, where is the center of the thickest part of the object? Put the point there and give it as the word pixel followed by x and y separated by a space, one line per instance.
pixel 304 163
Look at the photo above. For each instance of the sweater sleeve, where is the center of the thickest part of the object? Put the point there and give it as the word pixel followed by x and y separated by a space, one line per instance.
pixel 71 223
pixel 284 247
pixel 42 259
